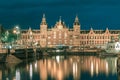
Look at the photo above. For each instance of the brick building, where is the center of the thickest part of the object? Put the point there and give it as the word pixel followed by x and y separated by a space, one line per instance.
pixel 60 34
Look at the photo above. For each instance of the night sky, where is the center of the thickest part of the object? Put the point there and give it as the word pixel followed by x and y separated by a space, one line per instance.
pixel 97 14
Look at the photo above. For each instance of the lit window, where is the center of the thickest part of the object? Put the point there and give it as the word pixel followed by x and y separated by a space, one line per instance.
pixel 54 37
pixel 54 32
pixel 59 34
pixel 54 43
pixel 60 37
pixel 70 41
pixel 49 37
pixel 65 41
pixel 49 42
pixel 65 34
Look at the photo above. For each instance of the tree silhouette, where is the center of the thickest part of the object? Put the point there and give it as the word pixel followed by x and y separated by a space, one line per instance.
pixel 8 36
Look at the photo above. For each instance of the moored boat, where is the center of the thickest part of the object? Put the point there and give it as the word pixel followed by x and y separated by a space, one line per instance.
pixel 112 48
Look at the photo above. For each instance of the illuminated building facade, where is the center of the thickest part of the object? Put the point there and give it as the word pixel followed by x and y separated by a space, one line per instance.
pixel 60 34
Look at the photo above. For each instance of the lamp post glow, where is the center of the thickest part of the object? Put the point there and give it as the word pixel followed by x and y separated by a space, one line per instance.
pixel 16 31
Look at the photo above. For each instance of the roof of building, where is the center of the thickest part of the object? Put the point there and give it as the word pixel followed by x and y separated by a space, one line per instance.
pixel 82 31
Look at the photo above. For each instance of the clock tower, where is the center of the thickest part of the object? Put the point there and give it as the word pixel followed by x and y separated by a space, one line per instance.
pixel 43 32
pixel 76 32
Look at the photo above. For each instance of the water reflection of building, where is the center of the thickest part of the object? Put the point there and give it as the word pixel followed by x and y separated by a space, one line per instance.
pixel 61 68
pixel 0 75
pixel 118 67
pixel 61 34
pixel 76 65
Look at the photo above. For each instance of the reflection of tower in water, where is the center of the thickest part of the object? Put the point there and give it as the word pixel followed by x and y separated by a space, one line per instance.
pixel 61 68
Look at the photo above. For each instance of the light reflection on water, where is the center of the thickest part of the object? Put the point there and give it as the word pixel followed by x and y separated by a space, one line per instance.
pixel 62 68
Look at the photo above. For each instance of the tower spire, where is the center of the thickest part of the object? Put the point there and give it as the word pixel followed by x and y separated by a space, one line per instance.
pixel 43 20
pixel 76 21
pixel 60 20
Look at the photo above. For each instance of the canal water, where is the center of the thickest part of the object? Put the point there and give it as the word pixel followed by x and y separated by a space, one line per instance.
pixel 62 68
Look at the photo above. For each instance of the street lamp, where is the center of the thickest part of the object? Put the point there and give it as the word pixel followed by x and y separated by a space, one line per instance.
pixel 16 31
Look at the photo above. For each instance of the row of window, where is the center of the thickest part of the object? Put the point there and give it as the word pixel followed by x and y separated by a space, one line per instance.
pixel 95 37
pixel 58 42
pixel 71 42
pixel 93 42
pixel 83 37
pixel 65 36
pixel 27 37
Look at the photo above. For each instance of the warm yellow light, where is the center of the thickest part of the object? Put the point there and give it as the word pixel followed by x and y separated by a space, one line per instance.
pixel 14 31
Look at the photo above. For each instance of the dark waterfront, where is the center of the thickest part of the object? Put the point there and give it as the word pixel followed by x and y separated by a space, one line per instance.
pixel 62 68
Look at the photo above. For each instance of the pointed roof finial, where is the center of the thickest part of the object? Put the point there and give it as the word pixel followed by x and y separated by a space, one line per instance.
pixel 29 28
pixel 76 21
pixel 68 26
pixel 107 31
pixel 60 19
pixel 76 18
pixel 106 28
pixel 43 20
pixel 91 28
pixel 43 15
